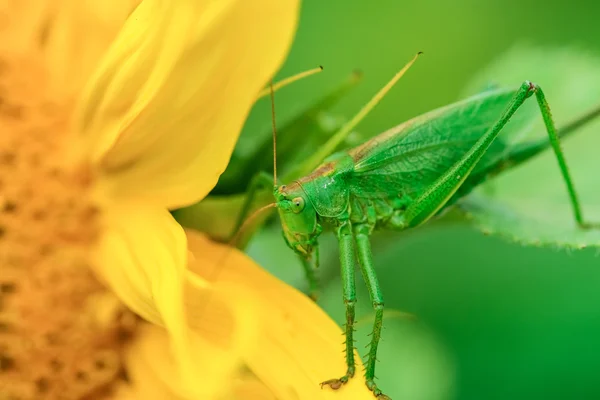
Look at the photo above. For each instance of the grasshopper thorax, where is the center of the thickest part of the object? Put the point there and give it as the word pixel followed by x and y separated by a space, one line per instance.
pixel 298 218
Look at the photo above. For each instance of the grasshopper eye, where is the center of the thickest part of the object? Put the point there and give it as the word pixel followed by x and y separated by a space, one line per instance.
pixel 297 204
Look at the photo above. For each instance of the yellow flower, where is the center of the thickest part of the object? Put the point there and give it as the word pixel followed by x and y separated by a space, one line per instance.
pixel 111 114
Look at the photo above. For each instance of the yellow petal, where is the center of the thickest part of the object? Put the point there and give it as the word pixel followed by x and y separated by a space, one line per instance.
pixel 216 372
pixel 225 330
pixel 299 345
pixel 152 375
pixel 22 23
pixel 150 368
pixel 153 371
pixel 142 256
pixel 165 108
pixel 78 35
pixel 248 387
pixel 142 359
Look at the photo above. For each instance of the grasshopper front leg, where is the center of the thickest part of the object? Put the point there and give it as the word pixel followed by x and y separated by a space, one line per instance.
pixel 346 242
pixel 365 258
pixel 346 237
pixel 261 181
pixel 311 277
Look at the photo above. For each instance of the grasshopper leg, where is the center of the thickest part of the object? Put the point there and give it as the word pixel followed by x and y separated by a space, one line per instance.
pixel 344 234
pixel 560 158
pixel 260 181
pixel 311 277
pixel 438 193
pixel 365 259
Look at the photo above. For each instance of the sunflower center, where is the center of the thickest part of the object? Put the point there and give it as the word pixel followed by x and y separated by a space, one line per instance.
pixel 61 333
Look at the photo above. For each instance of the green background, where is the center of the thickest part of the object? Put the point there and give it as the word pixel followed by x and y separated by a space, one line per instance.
pixel 491 319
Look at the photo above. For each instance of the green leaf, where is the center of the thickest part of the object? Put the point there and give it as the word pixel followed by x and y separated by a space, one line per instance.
pixel 296 140
pixel 529 203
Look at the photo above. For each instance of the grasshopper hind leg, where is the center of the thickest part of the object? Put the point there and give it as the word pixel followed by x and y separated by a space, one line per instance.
pixel 560 158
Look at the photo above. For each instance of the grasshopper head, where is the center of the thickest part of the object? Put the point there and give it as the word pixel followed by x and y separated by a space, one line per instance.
pixel 298 218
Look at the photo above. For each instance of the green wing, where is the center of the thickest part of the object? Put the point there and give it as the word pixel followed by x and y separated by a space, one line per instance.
pixel 405 160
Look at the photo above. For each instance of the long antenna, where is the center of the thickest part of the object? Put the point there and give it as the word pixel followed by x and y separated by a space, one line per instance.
pixel 233 241
pixel 335 140
pixel 274 134
pixel 289 80
pixel 247 222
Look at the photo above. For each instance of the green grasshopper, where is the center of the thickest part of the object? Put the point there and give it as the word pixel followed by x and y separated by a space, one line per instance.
pixel 401 179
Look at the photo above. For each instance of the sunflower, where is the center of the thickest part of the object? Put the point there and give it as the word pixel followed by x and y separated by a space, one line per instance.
pixel 111 114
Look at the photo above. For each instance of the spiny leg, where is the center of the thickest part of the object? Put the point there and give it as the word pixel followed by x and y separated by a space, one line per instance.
pixel 344 234
pixel 528 150
pixel 440 191
pixel 555 143
pixel 365 258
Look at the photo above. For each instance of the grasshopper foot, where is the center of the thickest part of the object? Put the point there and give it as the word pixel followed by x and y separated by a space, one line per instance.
pixel 589 225
pixel 335 384
pixel 376 391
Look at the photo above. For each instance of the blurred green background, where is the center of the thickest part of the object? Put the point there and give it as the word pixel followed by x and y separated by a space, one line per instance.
pixel 492 320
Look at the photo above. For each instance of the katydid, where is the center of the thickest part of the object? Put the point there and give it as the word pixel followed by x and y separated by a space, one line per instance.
pixel 401 179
